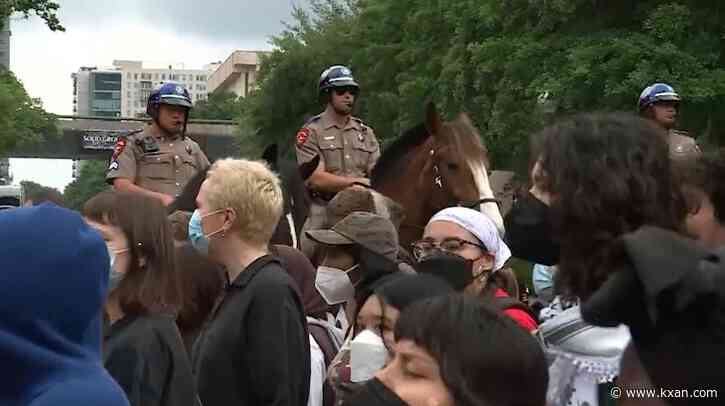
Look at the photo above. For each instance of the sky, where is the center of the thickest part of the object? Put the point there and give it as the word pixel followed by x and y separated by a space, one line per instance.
pixel 158 32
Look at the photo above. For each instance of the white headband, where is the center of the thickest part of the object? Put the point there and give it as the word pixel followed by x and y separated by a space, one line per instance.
pixel 482 227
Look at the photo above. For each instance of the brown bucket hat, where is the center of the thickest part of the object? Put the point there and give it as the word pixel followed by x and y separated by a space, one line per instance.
pixel 373 232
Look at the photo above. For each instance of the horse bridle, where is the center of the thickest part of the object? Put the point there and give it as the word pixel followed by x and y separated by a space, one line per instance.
pixel 438 181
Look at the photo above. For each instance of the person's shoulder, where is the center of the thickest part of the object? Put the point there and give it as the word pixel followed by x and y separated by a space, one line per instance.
pixel 272 277
pixel 91 388
pixel 312 122
pixel 133 136
pixel 362 124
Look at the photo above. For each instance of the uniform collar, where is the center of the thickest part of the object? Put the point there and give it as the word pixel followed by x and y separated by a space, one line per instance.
pixel 327 122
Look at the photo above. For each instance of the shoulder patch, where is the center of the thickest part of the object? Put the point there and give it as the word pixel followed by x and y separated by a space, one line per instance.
pixel 302 136
pixel 117 150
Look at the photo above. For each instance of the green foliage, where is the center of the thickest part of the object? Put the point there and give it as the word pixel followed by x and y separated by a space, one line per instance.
pixel 22 119
pixel 37 192
pixel 91 181
pixel 493 60
pixel 219 106
pixel 45 9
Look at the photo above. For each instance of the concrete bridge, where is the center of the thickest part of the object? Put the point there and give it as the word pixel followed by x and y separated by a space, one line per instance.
pixel 95 137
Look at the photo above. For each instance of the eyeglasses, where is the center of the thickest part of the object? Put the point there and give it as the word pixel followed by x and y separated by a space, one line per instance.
pixel 453 245
pixel 342 90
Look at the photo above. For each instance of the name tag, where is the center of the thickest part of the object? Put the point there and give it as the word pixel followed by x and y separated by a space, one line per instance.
pixel 330 138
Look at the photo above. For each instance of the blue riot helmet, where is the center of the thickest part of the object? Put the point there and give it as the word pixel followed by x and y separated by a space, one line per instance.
pixel 655 93
pixel 335 77
pixel 172 94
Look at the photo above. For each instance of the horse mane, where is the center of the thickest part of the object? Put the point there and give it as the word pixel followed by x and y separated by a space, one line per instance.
pixel 390 160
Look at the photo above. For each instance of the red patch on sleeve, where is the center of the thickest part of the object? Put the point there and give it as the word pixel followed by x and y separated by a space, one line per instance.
pixel 302 136
pixel 118 149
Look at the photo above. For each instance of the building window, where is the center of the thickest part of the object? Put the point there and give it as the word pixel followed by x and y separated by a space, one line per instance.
pixel 128 75
pixel 163 76
pixel 135 76
pixel 156 76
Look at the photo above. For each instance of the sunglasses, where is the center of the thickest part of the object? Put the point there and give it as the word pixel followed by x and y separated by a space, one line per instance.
pixel 342 90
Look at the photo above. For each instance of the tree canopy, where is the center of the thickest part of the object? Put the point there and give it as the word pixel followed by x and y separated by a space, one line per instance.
pixel 22 118
pixel 219 106
pixel 497 61
pixel 91 181
pixel 45 9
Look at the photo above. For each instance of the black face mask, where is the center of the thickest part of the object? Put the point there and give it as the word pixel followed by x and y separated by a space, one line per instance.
pixel 452 268
pixel 374 393
pixel 529 232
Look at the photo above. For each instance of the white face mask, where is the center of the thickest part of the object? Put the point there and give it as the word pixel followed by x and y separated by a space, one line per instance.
pixel 368 355
pixel 334 285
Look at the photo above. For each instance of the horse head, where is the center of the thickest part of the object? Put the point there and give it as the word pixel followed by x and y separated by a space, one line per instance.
pixel 433 166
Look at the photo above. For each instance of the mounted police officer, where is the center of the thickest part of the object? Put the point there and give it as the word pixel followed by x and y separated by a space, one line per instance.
pixel 348 149
pixel 660 103
pixel 159 160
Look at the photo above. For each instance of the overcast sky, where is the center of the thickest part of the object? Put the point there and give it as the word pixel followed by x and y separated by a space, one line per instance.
pixel 160 32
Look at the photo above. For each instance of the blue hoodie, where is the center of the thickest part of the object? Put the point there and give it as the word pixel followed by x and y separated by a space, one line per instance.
pixel 53 283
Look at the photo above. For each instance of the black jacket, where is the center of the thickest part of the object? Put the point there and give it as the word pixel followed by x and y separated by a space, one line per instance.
pixel 146 356
pixel 255 349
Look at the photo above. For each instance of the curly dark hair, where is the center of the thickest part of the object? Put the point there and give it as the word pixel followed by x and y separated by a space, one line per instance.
pixel 608 174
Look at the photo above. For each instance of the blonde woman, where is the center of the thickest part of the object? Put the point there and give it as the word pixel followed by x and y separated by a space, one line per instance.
pixel 254 350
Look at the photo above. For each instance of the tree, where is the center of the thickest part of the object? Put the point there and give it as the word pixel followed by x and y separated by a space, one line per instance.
pixel 494 60
pixel 91 181
pixel 22 119
pixel 38 193
pixel 219 106
pixel 45 9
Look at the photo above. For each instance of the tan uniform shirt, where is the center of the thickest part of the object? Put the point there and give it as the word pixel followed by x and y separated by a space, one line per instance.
pixel 164 168
pixel 351 150
pixel 682 146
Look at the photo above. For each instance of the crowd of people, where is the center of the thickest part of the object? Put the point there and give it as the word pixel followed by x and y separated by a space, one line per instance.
pixel 126 304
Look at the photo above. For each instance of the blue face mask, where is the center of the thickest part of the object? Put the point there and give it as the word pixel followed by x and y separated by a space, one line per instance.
pixel 196 235
pixel 114 277
pixel 198 239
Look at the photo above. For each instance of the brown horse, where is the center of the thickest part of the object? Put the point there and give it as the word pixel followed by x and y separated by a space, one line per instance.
pixel 433 166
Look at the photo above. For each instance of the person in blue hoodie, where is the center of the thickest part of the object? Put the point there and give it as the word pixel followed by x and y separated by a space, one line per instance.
pixel 53 283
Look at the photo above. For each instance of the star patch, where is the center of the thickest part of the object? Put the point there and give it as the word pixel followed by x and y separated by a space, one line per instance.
pixel 302 136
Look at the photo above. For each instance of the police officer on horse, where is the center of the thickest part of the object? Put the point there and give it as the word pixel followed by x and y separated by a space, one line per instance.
pixel 159 160
pixel 660 103
pixel 348 149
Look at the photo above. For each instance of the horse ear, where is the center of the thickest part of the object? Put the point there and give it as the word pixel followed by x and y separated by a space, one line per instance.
pixel 433 122
pixel 270 155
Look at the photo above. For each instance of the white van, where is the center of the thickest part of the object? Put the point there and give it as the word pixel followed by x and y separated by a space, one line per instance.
pixel 11 196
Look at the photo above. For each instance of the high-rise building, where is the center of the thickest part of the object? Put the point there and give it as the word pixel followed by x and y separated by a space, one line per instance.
pixel 5 43
pixel 96 92
pixel 238 74
pixel 138 82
